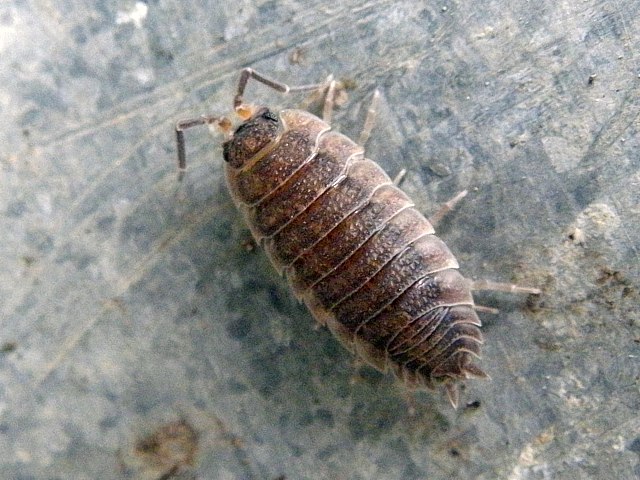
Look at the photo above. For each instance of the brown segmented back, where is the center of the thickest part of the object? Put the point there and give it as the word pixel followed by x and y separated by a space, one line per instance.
pixel 353 247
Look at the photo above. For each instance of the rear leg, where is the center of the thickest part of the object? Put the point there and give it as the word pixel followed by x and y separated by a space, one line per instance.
pixel 499 287
pixel 503 287
pixel 444 209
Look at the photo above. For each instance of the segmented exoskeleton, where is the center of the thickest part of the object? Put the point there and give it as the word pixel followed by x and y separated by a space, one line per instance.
pixel 352 245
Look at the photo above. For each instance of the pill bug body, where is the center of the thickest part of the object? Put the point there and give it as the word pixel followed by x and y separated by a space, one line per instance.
pixel 353 247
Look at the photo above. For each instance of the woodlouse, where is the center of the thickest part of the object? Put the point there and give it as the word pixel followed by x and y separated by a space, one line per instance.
pixel 351 244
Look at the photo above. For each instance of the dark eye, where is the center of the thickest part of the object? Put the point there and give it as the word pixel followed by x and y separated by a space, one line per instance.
pixel 269 115
pixel 241 127
pixel 264 114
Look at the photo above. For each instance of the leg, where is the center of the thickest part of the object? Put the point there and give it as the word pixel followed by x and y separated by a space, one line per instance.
pixel 370 119
pixel 499 287
pixel 222 122
pixel 482 308
pixel 481 284
pixel 369 123
pixel 329 100
pixel 502 287
pixel 453 394
pixel 248 73
pixel 333 93
pixel 446 208
pixel 397 180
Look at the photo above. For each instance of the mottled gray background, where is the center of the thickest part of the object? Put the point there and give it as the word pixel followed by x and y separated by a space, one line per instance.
pixel 131 308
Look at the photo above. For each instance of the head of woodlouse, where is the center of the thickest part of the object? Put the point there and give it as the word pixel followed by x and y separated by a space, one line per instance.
pixel 250 137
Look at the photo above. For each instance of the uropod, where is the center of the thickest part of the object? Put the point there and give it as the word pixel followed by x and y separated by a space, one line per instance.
pixel 351 244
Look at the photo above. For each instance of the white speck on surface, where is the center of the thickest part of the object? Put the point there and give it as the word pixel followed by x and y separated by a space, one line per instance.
pixel 8 36
pixel 23 456
pixel 144 76
pixel 44 202
pixel 136 15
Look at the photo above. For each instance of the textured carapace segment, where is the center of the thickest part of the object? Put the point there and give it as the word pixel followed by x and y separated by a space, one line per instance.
pixel 365 262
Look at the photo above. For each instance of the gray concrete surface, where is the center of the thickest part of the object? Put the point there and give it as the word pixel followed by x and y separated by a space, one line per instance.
pixel 139 337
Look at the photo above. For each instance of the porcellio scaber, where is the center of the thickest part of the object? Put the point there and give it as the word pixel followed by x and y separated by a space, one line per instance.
pixel 351 244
